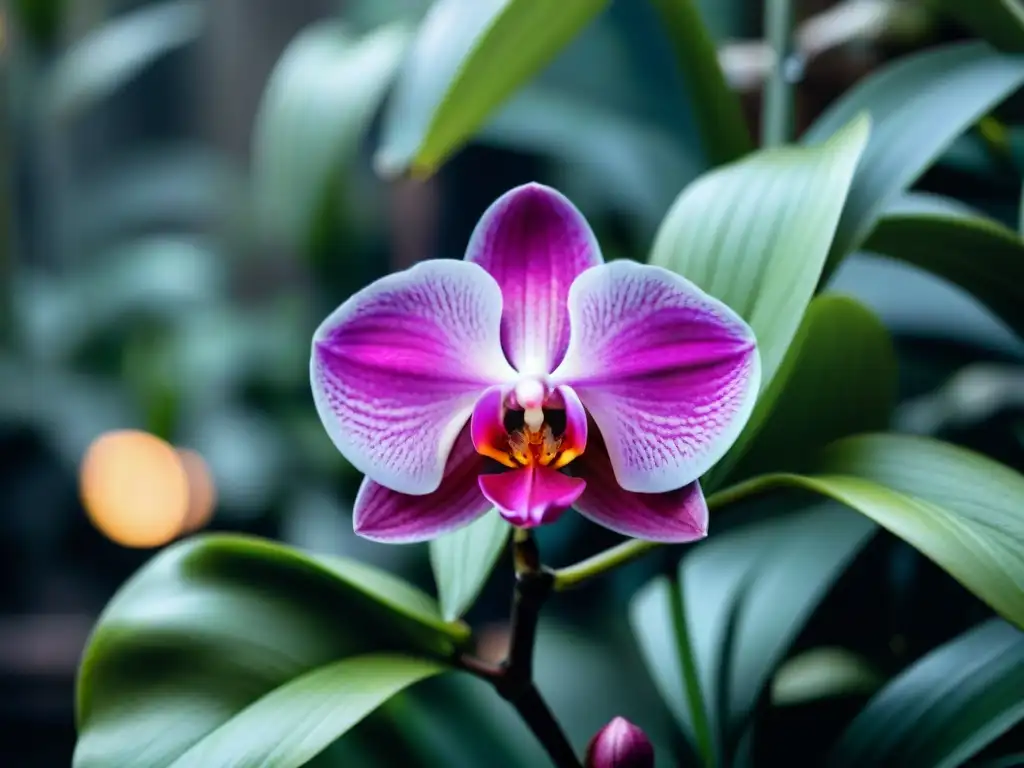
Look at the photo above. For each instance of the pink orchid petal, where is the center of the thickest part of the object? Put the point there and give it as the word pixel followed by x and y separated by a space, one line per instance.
pixel 487 426
pixel 396 369
pixel 535 243
pixel 574 439
pixel 674 516
pixel 531 496
pixel 668 373
pixel 385 515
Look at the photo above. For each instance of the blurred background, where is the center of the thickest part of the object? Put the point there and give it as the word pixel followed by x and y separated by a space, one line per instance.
pixel 161 274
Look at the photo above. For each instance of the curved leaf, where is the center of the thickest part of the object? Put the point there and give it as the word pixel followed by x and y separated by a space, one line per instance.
pixel 945 708
pixel 755 233
pixel 746 595
pixel 462 561
pixel 981 256
pixel 838 378
pixel 318 104
pixel 959 508
pixel 918 106
pixel 822 673
pixel 214 623
pixel 292 724
pixel 468 58
pixel 106 59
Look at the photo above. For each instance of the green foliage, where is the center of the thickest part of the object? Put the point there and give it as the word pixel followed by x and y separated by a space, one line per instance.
pixel 1000 22
pixel 981 256
pixel 918 106
pixel 217 630
pixel 945 708
pixel 466 59
pixel 745 597
pixel 320 99
pixel 463 561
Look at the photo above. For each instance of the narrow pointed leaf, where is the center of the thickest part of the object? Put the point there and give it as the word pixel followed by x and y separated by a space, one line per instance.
pixel 944 709
pixel 463 560
pixel 746 596
pixel 838 378
pixel 214 623
pixel 755 234
pixel 292 724
pixel 981 256
pixel 105 60
pixel 318 104
pixel 918 106
pixel 467 58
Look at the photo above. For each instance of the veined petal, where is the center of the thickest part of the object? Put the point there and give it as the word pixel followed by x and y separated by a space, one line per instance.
pixel 396 369
pixel 533 495
pixel 668 373
pixel 674 516
pixel 385 515
pixel 535 243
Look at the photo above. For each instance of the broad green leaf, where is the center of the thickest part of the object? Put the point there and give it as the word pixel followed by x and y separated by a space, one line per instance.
pixel 823 673
pixel 746 595
pixel 462 561
pixel 318 104
pixel 290 725
pixel 981 256
pixel 109 57
pixel 214 623
pixel 755 234
pixel 945 708
pixel 918 106
pixel 468 57
pixel 1000 22
pixel 959 508
pixel 838 378
pixel 716 106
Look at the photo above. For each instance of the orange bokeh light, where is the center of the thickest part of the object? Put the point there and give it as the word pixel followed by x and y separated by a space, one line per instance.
pixel 135 488
pixel 202 495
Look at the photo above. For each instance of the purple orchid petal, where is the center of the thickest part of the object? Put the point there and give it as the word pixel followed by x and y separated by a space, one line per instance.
pixel 574 439
pixel 385 515
pixel 669 373
pixel 535 243
pixel 533 495
pixel 674 516
pixel 396 369
pixel 487 426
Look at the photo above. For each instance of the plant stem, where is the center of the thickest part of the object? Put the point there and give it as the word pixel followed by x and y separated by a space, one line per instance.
pixel 691 682
pixel 777 111
pixel 627 551
pixel 716 107
pixel 513 679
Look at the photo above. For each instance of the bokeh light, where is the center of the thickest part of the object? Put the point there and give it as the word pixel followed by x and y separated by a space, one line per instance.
pixel 202 495
pixel 135 488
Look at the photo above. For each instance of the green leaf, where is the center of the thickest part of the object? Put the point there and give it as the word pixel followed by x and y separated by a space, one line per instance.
pixel 716 106
pixel 982 256
pixel 292 724
pixel 961 509
pixel 822 673
pixel 838 378
pixel 106 59
pixel 214 623
pixel 318 104
pixel 746 595
pixel 755 233
pixel 468 57
pixel 945 708
pixel 462 561
pixel 1000 22
pixel 918 106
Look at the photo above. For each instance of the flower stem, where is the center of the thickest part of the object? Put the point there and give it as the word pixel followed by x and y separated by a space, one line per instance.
pixel 777 113
pixel 513 679
pixel 691 682
pixel 574 575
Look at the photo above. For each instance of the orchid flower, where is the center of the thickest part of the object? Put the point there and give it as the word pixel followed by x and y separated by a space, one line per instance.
pixel 532 377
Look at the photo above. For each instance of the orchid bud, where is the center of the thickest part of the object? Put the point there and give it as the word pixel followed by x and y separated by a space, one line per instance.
pixel 620 744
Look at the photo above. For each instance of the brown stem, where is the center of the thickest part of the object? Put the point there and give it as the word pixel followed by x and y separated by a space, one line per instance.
pixel 513 679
